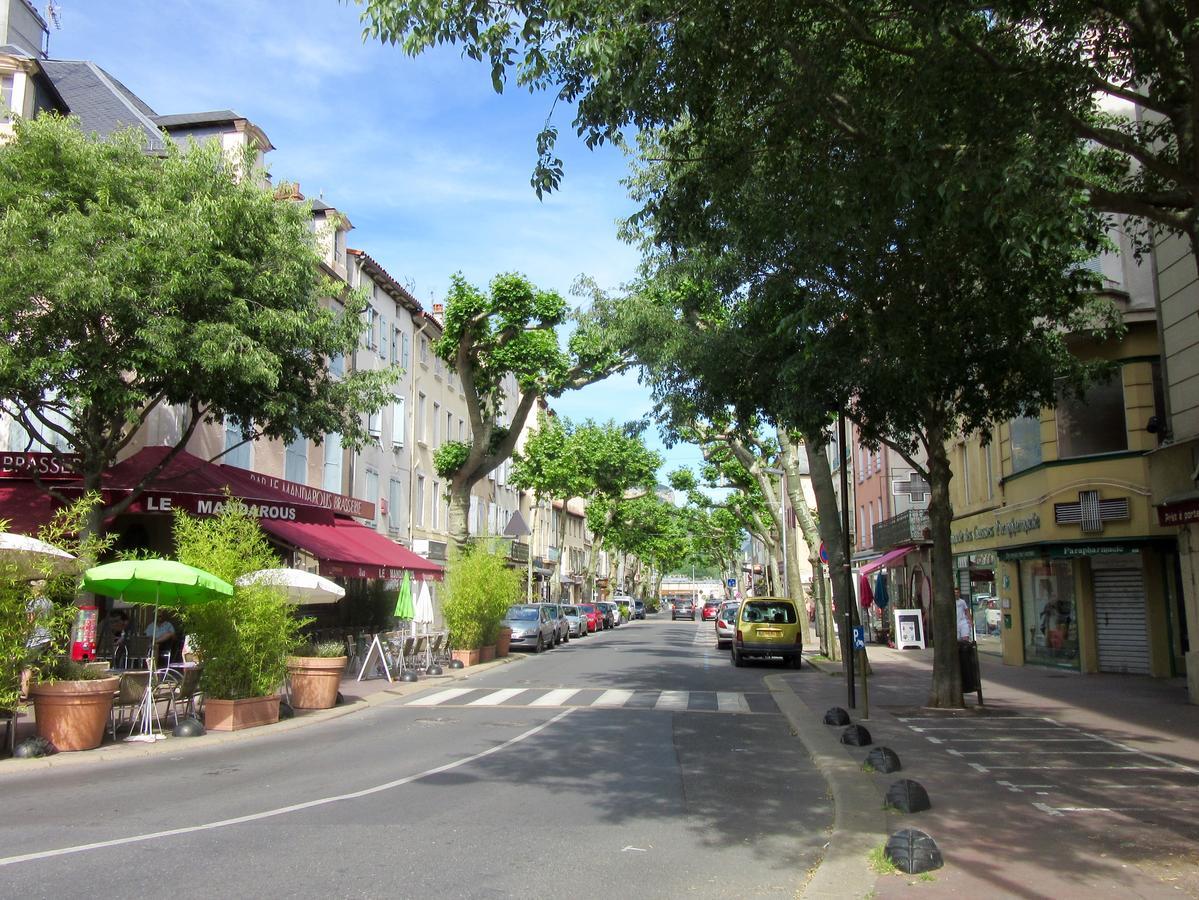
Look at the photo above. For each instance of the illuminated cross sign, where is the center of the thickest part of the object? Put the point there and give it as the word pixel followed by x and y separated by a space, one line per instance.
pixel 1090 512
pixel 915 486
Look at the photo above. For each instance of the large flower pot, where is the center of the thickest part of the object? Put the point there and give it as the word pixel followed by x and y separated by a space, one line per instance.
pixel 503 641
pixel 234 715
pixel 467 657
pixel 71 715
pixel 315 680
pixel 487 654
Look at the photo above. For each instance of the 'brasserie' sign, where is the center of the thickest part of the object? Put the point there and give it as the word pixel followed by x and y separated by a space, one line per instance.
pixel 347 506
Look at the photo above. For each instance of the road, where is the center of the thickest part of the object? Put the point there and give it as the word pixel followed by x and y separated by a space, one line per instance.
pixel 634 763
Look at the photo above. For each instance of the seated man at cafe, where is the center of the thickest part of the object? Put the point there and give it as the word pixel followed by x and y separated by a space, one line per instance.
pixel 163 639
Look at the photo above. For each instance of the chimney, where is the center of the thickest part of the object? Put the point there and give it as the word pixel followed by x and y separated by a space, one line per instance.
pixel 439 313
pixel 22 26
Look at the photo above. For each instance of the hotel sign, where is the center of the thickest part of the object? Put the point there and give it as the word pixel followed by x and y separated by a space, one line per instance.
pixel 302 493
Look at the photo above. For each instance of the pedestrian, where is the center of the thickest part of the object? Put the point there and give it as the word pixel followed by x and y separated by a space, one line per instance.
pixel 965 629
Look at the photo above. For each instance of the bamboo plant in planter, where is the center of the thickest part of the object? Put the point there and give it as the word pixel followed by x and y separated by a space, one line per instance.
pixel 479 588
pixel 244 641
pixel 315 674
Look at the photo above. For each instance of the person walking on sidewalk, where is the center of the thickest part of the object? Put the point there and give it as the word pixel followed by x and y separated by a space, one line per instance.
pixel 965 629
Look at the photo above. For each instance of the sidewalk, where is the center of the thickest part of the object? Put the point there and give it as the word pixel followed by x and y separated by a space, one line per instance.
pixel 1062 786
pixel 356 696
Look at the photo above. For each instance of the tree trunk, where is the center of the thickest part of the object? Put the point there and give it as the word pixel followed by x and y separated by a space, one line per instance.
pixel 834 541
pixel 459 514
pixel 947 677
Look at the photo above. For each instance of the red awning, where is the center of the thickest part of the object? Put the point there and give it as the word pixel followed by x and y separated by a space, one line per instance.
pixel 25 506
pixel 887 559
pixel 351 550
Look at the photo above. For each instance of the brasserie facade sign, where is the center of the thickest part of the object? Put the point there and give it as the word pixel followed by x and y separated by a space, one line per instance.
pixel 303 493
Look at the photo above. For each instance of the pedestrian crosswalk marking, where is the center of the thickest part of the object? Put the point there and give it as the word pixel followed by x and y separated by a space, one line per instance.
pixel 441 697
pixel 497 697
pixel 613 698
pixel 672 700
pixel 555 698
pixel 590 698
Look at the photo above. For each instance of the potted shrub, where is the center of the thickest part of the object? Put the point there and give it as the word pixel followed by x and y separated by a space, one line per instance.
pixel 479 588
pixel 503 641
pixel 71 703
pixel 244 641
pixel 315 674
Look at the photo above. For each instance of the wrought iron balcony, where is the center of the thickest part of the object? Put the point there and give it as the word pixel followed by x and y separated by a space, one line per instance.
pixel 909 527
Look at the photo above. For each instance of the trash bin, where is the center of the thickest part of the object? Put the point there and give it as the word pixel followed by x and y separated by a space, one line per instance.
pixel 968 661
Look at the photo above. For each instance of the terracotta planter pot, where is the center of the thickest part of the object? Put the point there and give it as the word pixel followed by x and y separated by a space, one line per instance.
pixel 487 654
pixel 503 641
pixel 234 715
pixel 72 714
pixel 468 658
pixel 315 680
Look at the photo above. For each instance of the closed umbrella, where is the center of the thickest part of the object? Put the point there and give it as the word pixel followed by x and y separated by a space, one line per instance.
pixel 154 581
pixel 298 586
pixel 404 609
pixel 880 591
pixel 423 614
pixel 34 559
pixel 865 595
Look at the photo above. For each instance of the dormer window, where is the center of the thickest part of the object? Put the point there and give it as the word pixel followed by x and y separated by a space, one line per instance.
pixel 6 92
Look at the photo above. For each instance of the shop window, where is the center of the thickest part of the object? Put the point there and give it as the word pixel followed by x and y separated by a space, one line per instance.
pixel 1094 422
pixel 1026 442
pixel 1050 612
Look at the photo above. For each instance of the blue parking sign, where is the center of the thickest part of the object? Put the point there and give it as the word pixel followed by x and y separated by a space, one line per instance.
pixel 732 582
pixel 859 637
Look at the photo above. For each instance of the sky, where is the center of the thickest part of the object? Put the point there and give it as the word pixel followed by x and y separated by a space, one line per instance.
pixel 429 164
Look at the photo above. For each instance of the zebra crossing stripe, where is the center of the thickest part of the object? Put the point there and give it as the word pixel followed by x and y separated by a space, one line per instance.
pixel 555 698
pixel 730 702
pixel 441 697
pixel 613 698
pixel 672 700
pixel 497 697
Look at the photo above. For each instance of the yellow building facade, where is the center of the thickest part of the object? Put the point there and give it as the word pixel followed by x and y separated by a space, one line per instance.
pixel 1055 537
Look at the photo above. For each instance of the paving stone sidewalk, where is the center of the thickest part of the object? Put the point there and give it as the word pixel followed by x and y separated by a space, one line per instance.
pixel 1062 785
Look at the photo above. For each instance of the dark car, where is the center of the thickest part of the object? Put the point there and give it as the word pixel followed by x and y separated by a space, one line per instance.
pixel 638 609
pixel 683 609
pixel 608 610
pixel 711 608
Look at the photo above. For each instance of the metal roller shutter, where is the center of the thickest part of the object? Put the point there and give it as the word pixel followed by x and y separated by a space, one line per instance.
pixel 1120 621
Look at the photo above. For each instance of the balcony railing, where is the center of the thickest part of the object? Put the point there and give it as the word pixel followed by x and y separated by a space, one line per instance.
pixel 909 527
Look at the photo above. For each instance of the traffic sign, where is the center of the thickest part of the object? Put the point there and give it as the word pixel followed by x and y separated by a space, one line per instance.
pixel 823 553
pixel 859 637
pixel 732 582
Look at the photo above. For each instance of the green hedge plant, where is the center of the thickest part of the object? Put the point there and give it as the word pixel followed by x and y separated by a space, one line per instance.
pixel 322 650
pixel 479 588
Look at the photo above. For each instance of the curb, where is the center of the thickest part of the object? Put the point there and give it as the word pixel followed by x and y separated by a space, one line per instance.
pixel 859 821
pixel 119 752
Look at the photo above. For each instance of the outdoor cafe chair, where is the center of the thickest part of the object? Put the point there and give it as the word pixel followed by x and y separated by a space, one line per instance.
pixel 187 691
pixel 417 653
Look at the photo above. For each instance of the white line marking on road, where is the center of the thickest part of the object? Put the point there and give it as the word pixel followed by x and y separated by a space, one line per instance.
pixel 440 697
pixel 555 698
pixel 954 752
pixel 1011 787
pixel 1046 808
pixel 1039 740
pixel 633 849
pixel 1093 768
pixel 933 740
pixel 951 718
pixel 672 700
pixel 495 698
pixel 1152 756
pixel 1041 752
pixel 284 810
pixel 613 698
pixel 978 768
pixel 727 701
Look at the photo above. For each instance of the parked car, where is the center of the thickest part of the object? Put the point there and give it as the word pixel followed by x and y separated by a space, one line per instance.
pixel 625 605
pixel 711 608
pixel 726 623
pixel 683 608
pixel 531 627
pixel 638 609
pixel 595 616
pixel 610 612
pixel 561 626
pixel 768 626
pixel 576 619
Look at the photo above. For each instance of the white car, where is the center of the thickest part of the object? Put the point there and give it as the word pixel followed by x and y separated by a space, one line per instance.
pixel 726 623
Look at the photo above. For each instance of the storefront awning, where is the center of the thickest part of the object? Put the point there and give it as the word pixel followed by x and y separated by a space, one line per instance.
pixel 887 559
pixel 25 506
pixel 351 550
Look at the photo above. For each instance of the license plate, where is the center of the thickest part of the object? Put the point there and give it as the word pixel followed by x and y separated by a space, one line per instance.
pixel 772 634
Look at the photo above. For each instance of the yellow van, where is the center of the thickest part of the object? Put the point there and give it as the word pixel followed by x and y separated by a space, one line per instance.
pixel 768 626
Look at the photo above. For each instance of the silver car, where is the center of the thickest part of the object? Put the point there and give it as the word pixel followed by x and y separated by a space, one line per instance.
pixel 577 620
pixel 562 627
pixel 531 627
pixel 726 623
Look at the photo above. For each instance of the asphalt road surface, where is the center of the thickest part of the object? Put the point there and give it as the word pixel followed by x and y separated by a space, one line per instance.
pixel 634 763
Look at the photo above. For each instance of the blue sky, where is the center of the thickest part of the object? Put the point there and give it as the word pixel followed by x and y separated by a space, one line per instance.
pixel 429 164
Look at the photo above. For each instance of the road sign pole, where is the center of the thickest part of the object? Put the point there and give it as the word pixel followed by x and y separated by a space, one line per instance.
pixel 847 628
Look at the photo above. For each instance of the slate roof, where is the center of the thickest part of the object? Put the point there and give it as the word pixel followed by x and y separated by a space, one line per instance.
pixel 14 50
pixel 102 104
pixel 184 120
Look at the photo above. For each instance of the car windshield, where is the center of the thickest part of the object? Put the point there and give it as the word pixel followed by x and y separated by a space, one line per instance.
pixel 770 612
pixel 570 610
pixel 521 613
pixel 587 608
pixel 728 614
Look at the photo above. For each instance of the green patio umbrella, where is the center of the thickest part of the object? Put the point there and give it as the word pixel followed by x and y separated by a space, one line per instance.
pixel 404 608
pixel 154 581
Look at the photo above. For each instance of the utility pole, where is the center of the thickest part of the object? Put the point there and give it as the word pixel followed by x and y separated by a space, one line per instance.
pixel 847 627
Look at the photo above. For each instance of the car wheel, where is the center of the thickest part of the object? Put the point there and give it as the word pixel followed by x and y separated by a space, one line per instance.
pixel 737 660
pixel 540 644
pixel 796 661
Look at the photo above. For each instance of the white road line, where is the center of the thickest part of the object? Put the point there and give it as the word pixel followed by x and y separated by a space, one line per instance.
pixel 672 700
pixel 555 698
pixel 978 768
pixel 1151 756
pixel 950 718
pixel 933 740
pixel 1006 740
pixel 284 810
pixel 1046 808
pixel 495 698
pixel 1090 768
pixel 730 702
pixel 1032 752
pixel 440 697
pixel 613 698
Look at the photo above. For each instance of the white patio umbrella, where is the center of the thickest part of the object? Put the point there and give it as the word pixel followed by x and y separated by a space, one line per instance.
pixel 297 585
pixel 35 559
pixel 424 615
